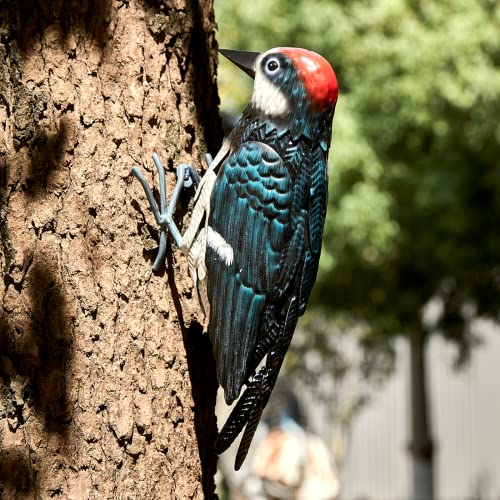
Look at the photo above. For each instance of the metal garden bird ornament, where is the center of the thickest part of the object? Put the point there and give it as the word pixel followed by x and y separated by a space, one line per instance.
pixel 254 240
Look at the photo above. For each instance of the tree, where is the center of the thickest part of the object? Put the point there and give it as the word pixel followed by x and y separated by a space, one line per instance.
pixel 414 187
pixel 107 382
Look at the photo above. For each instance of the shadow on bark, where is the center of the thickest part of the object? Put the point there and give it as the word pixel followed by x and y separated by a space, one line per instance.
pixel 47 153
pixel 202 373
pixel 27 20
pixel 206 98
pixel 16 473
pixel 39 352
pixel 199 67
pixel 6 245
pixel 46 145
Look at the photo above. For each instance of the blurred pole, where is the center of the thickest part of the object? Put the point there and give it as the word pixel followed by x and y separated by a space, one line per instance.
pixel 421 445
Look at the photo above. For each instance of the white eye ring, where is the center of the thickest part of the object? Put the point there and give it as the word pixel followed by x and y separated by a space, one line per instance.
pixel 272 66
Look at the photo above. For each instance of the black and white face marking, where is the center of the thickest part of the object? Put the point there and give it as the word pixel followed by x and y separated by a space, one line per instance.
pixel 268 97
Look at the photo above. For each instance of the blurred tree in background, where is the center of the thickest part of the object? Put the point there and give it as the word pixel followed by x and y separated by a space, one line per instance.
pixel 414 205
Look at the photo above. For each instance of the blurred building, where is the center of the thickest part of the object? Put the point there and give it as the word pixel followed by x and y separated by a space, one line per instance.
pixel 465 406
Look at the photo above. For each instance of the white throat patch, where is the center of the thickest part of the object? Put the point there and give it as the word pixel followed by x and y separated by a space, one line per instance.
pixel 267 97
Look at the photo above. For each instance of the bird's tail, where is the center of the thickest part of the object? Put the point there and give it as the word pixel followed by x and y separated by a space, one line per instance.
pixel 248 410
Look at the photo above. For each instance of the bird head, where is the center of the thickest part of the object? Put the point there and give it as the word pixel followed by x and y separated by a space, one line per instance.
pixel 291 84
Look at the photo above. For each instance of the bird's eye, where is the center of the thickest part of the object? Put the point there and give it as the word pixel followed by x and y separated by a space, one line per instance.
pixel 272 66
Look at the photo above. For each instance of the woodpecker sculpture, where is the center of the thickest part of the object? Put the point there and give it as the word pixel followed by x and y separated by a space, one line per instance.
pixel 254 240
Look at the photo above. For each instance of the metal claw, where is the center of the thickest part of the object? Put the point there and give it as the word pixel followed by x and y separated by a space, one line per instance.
pixel 186 177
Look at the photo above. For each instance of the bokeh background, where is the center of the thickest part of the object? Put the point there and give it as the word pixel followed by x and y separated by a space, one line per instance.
pixel 391 389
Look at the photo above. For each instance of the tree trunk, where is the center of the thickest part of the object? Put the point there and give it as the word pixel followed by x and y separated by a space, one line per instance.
pixel 108 384
pixel 421 447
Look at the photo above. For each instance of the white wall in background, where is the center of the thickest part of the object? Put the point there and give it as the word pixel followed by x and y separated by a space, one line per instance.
pixel 465 409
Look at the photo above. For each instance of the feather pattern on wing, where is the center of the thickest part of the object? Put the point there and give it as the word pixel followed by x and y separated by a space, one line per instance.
pixel 250 211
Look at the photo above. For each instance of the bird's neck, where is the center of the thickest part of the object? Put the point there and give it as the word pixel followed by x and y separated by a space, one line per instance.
pixel 300 125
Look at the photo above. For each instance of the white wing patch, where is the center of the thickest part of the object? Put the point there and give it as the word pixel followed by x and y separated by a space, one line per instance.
pixel 221 247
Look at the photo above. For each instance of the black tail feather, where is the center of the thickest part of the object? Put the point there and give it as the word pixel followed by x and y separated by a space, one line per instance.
pixel 248 435
pixel 248 410
pixel 270 332
pixel 239 415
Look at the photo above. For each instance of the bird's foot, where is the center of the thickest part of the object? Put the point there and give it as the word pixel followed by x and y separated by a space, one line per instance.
pixel 186 177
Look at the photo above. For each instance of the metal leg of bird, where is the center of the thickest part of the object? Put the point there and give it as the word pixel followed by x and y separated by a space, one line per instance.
pixel 209 159
pixel 186 177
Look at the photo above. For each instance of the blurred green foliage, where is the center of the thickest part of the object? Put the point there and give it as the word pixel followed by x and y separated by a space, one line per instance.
pixel 414 210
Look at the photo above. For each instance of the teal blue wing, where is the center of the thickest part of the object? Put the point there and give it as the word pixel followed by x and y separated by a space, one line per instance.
pixel 318 201
pixel 249 227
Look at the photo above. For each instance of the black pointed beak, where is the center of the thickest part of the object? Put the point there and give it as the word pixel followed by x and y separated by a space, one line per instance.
pixel 243 59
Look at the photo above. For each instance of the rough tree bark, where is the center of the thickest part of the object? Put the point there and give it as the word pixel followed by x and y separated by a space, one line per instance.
pixel 107 384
